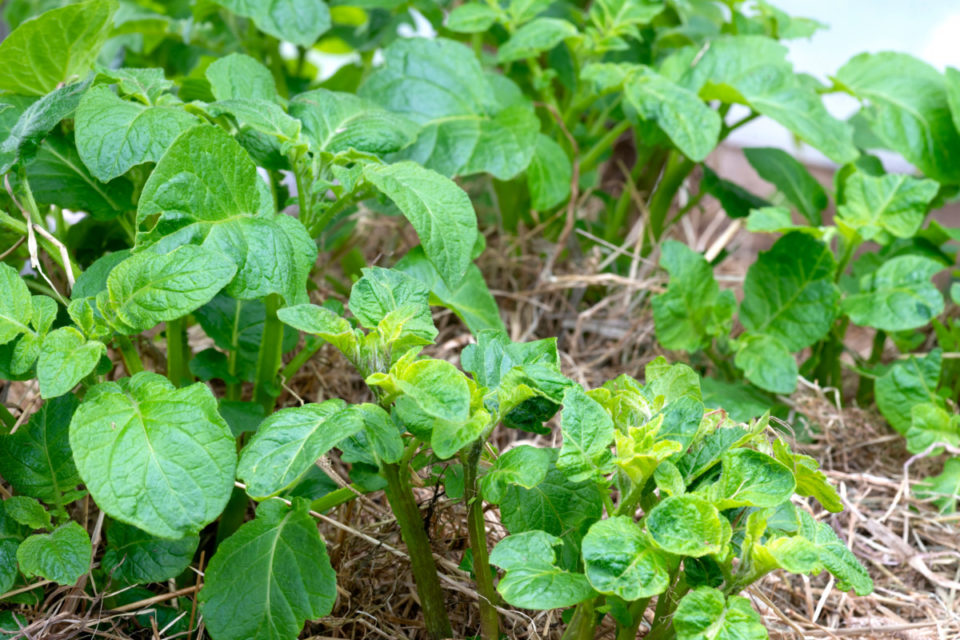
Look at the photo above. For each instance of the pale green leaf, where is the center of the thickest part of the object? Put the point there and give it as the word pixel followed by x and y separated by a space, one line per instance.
pixel 66 357
pixel 548 174
pixel 524 466
pixel 146 85
pixel 705 614
pixel 898 296
pixel 943 489
pixel 751 479
pixel 28 512
pixel 62 555
pixel 686 525
pixel 335 122
pixel 301 22
pixel 533 580
pixel 587 435
pixel 535 37
pixel 906 384
pixel 885 207
pixel 835 555
pixel 37 120
pixel 472 17
pixel 930 424
pixel 240 76
pixel 16 308
pixel 620 560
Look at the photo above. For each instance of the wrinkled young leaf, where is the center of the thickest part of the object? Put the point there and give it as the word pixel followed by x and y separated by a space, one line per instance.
pixel 301 22
pixel 810 480
pixel 291 441
pixel 535 37
pixel 885 207
pixel 382 291
pixel 16 308
pixel 37 120
pixel 56 47
pixel 135 557
pixel 943 489
pixel 114 135
pixel 751 479
pixel 791 178
pixel 523 466
pixel 898 296
pixel 587 434
pixel 438 209
pixel 146 85
pixel 533 580
pixel 835 556
pixel 335 122
pixel 494 355
pixel 62 555
pixel 66 357
pixel 906 384
pixel 686 525
pixel 157 457
pixel 620 560
pixel 36 460
pixel 269 577
pixel 28 512
pixel 930 424
pixel 705 614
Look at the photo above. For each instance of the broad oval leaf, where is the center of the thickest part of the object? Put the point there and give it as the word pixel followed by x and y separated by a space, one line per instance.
pixel 620 560
pixel 240 76
pixel 898 296
pixel 472 17
pixel 269 577
pixel 686 525
pixel 524 466
pixel 791 178
pixel 906 384
pixel 767 363
pixel 885 207
pixel 533 580
pixel 135 557
pixel 66 357
pixel 548 174
pixel 705 614
pixel 751 479
pixel 301 22
pixel 587 431
pixel 291 441
pixel 154 456
pixel 62 555
pixel 335 122
pixel 535 37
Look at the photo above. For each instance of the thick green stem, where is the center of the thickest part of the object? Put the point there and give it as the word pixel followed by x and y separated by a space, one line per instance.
pixel 129 355
pixel 270 356
pixel 613 229
pixel 678 168
pixel 477 530
pixel 583 623
pixel 300 359
pixel 178 353
pixel 591 158
pixel 336 498
pixel 425 575
pixel 629 632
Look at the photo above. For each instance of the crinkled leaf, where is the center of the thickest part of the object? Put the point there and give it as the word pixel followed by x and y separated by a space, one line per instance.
pixel 810 480
pixel 66 357
pixel 157 457
pixel 885 207
pixel 751 479
pixel 705 614
pixel 381 291
pixel 144 84
pixel 62 555
pixel 835 555
pixel 28 512
pixel 898 296
pixel 533 580
pixel 931 424
pixel 670 381
pixel 269 577
pixel 620 560
pixel 535 37
pixel 301 22
pixel 791 178
pixel 767 363
pixel 37 120
pixel 495 355
pixel 335 122
pixel 322 322
pixel 686 525
pixel 135 557
pixel 291 441
pixel 943 489
pixel 259 115
pixel 587 434
pixel 524 466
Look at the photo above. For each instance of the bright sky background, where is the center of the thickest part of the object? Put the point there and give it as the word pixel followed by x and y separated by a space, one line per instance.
pixel 927 29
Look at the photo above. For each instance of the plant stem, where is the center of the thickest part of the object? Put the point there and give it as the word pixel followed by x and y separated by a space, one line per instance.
pixel 591 158
pixel 583 623
pixel 636 609
pixel 612 230
pixel 129 355
pixel 336 498
pixel 270 356
pixel 477 530
pixel 677 169
pixel 177 353
pixel 300 359
pixel 425 575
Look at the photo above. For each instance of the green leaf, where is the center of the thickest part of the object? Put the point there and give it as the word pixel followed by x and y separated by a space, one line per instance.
pixel 931 424
pixel 301 22
pixel 587 434
pixel 157 457
pixel 692 310
pixel 205 190
pixel 37 120
pixel 736 201
pixel 322 322
pixel 885 207
pixel 381 432
pixel 335 122
pixel 11 533
pixel 835 555
pixel 548 174
pixel 146 288
pixel 620 560
pixel 56 47
pixel 810 480
pixel 615 17
pixel 66 358
pixel 16 308
pixel 470 122
pixel 792 179
pixel 691 125
pixel 686 526
pixel 705 614
pixel 494 355
pixel 906 384
pixel 36 460
pixel 28 512
pixel 259 115
pixel 291 441
pixel 438 209
pixel 751 479
pixel 472 17
pixel 240 76
pixel 523 466
pixel 767 363
pixel 524 10
pixel 533 580
pixel 135 557
pixel 670 381
pixel 943 490
pixel 62 555
pixel 776 220
pixel 909 110
pixel 269 577
pixel 113 135
pixel 898 296
pixel 789 292
pixel 147 85
pixel 381 291
pixel 470 300
pixel 535 37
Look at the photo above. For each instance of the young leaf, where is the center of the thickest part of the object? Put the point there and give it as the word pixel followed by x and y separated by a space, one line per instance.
pixel 495 355
pixel 381 291
pixel 66 357
pixel 335 122
pixel 929 425
pixel 62 555
pixel 898 296
pixel 16 308
pixel 291 441
pixel 472 17
pixel 767 363
pixel 438 209
pixel 533 580
pixel 620 560
pixel 301 22
pixel 885 207
pixel 11 533
pixel 28 512
pixel 943 490
pixel 587 434
pixel 686 525
pixel 135 557
pixel 670 381
pixel 693 309
pixel 146 288
pixel 523 466
pixel 37 120
pixel 113 135
pixel 326 324
pixel 908 110
pixel 535 37
pixel 157 457
pixel 791 178
pixel 240 76
pixel 548 174
pixel 269 577
pixel 835 556
pixel 906 384
pixel 751 479
pixel 810 480
pixel 54 48
pixel 705 614
pixel 267 118
pixel 36 460
pixel 147 85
